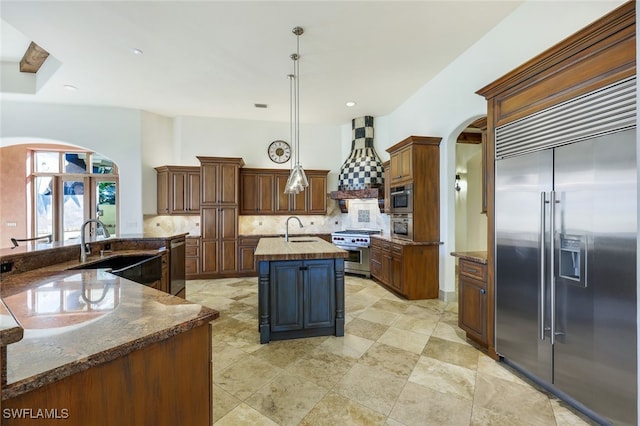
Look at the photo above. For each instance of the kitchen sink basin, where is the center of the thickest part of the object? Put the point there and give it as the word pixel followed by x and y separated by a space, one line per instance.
pixel 302 241
pixel 115 263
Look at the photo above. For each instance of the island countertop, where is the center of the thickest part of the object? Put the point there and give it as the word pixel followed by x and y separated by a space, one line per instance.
pixel 77 319
pixel 473 256
pixel 297 248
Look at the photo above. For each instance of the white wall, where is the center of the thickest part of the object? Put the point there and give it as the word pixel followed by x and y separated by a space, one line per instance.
pixel 448 103
pixel 113 132
pixel 470 223
pixel 157 149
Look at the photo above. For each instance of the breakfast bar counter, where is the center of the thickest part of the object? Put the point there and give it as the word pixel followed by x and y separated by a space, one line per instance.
pixel 300 288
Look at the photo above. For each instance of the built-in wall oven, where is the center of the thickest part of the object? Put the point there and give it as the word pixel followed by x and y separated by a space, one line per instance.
pixel 401 199
pixel 401 226
pixel 356 242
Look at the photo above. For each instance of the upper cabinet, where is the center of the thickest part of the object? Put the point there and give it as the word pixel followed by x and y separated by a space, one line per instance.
pixel 178 189
pixel 219 177
pixel 262 193
pixel 401 164
pixel 416 160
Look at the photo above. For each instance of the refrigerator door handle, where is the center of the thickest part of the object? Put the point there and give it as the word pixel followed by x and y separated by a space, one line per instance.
pixel 552 251
pixel 543 202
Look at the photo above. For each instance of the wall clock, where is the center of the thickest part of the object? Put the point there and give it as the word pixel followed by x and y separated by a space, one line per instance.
pixel 279 151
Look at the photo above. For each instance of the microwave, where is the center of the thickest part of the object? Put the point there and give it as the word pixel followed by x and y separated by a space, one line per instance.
pixel 401 199
pixel 402 226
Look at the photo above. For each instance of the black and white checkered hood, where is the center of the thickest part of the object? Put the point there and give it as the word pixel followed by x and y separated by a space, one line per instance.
pixel 363 169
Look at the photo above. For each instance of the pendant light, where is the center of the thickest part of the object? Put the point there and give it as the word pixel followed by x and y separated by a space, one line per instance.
pixel 297 179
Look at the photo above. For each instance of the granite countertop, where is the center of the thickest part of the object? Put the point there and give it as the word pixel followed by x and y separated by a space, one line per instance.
pixel 10 330
pixel 406 242
pixel 76 319
pixel 29 248
pixel 474 256
pixel 297 248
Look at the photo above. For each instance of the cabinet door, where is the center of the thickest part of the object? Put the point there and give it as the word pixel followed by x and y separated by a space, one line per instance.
pixel 317 195
pixel 472 308
pixel 319 293
pixel 266 202
pixel 248 193
pixel 162 181
pixel 228 222
pixel 228 256
pixel 178 191
pixel 375 262
pixel 286 292
pixel 395 280
pixel 193 192
pixel 406 169
pixel 209 224
pixel 246 259
pixel 298 202
pixel 209 257
pixel 396 167
pixel 228 184
pixel 209 174
pixel 282 200
pixel 386 265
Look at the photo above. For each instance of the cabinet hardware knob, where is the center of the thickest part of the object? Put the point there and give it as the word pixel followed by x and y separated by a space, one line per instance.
pixel 483 291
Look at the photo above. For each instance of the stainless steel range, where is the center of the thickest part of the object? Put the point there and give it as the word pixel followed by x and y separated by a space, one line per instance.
pixel 356 242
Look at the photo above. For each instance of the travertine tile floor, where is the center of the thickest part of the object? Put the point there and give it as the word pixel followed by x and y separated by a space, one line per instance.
pixel 399 363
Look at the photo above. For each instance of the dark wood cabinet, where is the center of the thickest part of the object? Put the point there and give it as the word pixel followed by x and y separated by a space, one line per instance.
pixel 409 269
pixel 387 186
pixel 401 166
pixel 262 193
pixel 178 190
pixel 472 300
pixel 247 264
pixel 257 193
pixel 219 216
pixel 416 160
pixel 192 257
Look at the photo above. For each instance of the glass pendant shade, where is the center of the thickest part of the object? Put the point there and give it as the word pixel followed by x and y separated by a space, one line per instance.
pixel 297 181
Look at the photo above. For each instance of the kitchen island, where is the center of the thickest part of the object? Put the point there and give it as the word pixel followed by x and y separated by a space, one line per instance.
pixel 300 288
pixel 97 348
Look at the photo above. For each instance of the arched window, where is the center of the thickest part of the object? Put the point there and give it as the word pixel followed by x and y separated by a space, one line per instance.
pixel 68 187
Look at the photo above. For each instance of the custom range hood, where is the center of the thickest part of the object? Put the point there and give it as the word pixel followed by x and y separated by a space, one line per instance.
pixel 362 174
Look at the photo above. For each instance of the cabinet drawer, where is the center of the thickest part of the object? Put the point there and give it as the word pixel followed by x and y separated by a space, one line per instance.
pixel 396 249
pixel 190 241
pixel 376 243
pixel 473 269
pixel 192 251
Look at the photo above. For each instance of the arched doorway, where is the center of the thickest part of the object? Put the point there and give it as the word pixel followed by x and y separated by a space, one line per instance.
pixel 52 188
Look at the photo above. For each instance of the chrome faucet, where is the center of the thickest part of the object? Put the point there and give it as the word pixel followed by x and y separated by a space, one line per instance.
pixel 83 251
pixel 286 232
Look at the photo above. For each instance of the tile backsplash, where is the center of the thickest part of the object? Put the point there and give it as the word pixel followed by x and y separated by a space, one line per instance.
pixel 363 213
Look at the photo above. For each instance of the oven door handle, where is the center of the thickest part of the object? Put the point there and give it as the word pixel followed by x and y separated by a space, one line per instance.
pixel 343 247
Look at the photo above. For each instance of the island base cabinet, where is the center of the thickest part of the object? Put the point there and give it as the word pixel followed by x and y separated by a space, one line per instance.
pixel 300 298
pixel 165 383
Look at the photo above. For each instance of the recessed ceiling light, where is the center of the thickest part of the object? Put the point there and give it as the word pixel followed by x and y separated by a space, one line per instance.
pixel 137 51
pixel 350 104
pixel 260 105
pixel 70 88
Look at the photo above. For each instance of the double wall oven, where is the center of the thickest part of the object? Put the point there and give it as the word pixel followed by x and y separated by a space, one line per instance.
pixel 356 242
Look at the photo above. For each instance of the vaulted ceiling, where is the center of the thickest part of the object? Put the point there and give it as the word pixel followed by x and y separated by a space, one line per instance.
pixel 219 59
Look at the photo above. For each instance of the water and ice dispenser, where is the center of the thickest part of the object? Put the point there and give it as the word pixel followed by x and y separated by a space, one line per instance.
pixel 573 259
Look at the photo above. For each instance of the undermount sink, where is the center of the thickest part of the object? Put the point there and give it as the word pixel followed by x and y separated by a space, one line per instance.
pixel 302 241
pixel 115 262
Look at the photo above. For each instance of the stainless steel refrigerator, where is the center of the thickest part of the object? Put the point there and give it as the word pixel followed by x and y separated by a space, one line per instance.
pixel 566 242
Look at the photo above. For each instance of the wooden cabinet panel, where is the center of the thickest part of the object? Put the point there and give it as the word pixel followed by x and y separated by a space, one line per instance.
pixel 246 260
pixel 178 190
pixel 317 195
pixel 209 260
pixel 262 192
pixel 319 294
pixel 416 160
pixel 472 308
pixel 162 189
pixel 192 257
pixel 408 269
pixel 257 193
pixel 219 181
